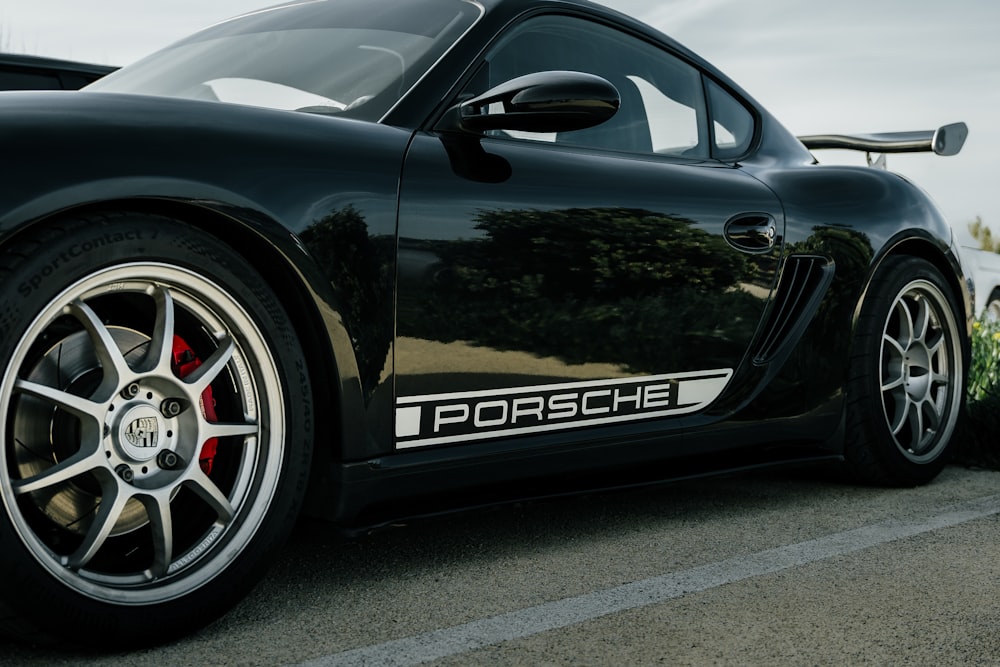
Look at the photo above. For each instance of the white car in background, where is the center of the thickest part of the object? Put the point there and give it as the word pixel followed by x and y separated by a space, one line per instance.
pixel 983 267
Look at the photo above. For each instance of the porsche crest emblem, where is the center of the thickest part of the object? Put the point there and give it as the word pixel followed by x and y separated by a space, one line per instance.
pixel 142 432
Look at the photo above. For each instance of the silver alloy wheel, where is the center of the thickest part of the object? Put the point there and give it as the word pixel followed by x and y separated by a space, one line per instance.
pixel 103 434
pixel 921 371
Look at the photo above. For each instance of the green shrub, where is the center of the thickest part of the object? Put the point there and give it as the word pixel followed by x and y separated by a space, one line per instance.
pixel 984 370
pixel 979 444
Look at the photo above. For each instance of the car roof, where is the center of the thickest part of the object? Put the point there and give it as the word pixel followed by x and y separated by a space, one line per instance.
pixel 38 62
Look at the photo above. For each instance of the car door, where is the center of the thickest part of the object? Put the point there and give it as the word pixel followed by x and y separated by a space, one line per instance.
pixel 554 286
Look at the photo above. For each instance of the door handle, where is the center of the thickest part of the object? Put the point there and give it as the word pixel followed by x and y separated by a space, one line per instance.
pixel 752 232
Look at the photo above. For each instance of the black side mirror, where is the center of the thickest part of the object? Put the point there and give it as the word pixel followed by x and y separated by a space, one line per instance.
pixel 541 102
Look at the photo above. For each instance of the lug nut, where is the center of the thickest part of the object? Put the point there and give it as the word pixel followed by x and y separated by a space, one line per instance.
pixel 125 473
pixel 131 391
pixel 171 407
pixel 169 460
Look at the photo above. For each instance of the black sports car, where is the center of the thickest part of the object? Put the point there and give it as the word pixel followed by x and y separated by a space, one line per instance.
pixel 395 258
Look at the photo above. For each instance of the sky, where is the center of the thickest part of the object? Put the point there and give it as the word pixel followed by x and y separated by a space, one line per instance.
pixel 831 67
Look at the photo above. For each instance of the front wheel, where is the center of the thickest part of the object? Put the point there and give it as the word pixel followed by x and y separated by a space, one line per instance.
pixel 155 436
pixel 907 382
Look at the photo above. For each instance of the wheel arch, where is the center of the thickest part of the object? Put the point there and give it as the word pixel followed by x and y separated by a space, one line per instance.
pixel 335 385
pixel 942 260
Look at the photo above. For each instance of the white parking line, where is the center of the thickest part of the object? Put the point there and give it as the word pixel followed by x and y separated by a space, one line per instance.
pixel 470 636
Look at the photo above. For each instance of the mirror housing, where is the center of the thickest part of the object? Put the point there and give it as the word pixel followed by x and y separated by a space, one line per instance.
pixel 555 101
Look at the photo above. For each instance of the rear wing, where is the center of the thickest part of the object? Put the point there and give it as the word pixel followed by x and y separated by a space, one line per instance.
pixel 946 140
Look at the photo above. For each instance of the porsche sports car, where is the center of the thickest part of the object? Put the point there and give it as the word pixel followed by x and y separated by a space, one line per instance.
pixel 382 260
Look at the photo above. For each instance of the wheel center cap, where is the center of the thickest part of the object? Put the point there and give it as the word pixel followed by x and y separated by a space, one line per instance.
pixel 141 432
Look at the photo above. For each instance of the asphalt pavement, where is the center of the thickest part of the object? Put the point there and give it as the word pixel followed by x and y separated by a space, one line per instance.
pixel 767 569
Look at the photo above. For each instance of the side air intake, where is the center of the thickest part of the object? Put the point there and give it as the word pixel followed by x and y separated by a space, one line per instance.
pixel 803 283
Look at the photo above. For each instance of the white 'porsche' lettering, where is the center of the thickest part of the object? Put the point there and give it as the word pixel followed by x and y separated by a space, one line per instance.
pixel 635 399
pixel 587 409
pixel 527 407
pixel 468 416
pixel 562 406
pixel 459 414
pixel 482 422
pixel 656 396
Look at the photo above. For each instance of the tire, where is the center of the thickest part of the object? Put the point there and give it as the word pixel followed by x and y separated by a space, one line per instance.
pixel 992 313
pixel 907 376
pixel 155 436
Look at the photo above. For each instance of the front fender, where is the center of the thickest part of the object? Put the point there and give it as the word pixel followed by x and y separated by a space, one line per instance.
pixel 307 197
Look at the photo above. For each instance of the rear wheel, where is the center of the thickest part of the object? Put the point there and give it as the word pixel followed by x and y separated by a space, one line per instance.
pixel 155 439
pixel 907 380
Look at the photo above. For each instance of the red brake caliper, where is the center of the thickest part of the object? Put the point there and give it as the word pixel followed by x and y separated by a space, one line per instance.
pixel 184 364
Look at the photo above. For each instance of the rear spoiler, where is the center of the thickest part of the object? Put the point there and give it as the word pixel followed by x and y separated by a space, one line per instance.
pixel 947 140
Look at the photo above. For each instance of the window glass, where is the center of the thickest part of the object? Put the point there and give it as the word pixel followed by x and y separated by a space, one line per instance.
pixel 76 80
pixel 733 124
pixel 353 58
pixel 12 79
pixel 673 126
pixel 662 103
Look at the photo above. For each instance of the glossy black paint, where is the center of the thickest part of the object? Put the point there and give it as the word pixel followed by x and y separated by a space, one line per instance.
pixel 489 244
pixel 272 184
pixel 543 102
pixel 378 233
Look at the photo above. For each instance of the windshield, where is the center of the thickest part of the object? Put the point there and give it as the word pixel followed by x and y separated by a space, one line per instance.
pixel 355 58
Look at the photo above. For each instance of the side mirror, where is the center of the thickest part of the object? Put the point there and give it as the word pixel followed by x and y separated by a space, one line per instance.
pixel 540 102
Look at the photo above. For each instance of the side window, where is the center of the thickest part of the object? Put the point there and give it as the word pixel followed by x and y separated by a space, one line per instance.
pixel 673 124
pixel 732 124
pixel 74 80
pixel 663 104
pixel 17 79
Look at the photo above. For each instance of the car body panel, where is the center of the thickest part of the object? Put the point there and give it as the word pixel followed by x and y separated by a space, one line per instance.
pixel 691 302
pixel 270 174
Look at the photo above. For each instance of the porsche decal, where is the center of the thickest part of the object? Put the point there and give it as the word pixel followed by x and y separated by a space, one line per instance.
pixel 439 419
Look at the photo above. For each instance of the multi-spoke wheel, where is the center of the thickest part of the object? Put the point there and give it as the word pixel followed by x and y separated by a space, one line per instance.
pixel 153 440
pixel 907 375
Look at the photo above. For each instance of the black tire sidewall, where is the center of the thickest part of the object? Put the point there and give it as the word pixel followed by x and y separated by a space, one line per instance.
pixel 36 269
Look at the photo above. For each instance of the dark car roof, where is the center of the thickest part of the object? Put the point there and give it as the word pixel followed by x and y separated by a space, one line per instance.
pixel 34 72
